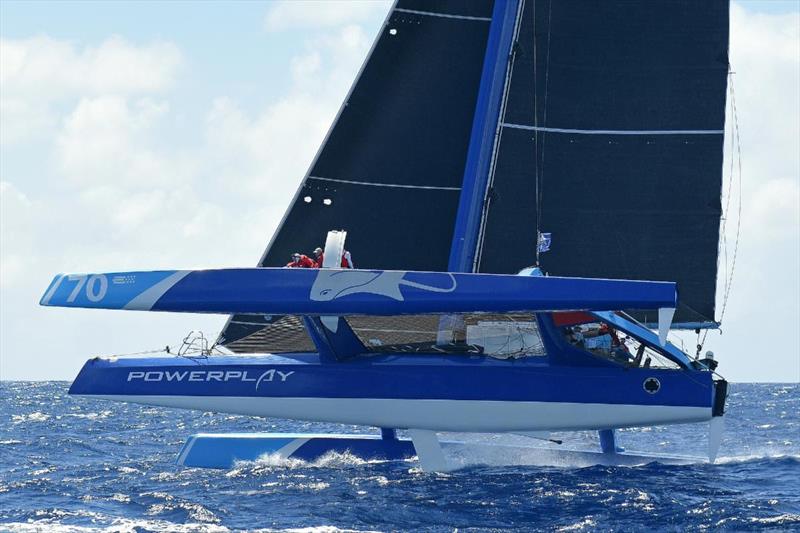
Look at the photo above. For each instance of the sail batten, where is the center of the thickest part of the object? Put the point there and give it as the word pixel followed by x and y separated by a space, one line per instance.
pixel 445 15
pixel 611 132
pixel 379 184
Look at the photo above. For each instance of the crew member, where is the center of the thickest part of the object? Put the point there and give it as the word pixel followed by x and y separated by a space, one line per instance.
pixel 319 256
pixel 300 261
pixel 347 259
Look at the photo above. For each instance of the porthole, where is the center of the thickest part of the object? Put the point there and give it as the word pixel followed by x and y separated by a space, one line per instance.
pixel 651 385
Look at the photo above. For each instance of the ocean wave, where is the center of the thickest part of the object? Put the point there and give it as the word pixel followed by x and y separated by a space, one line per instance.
pixel 32 417
pixel 126 525
pixel 269 462
pixel 790 458
pixel 782 520
pixel 117 525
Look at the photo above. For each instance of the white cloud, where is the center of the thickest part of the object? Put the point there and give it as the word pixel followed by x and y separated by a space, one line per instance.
pixel 39 72
pixel 16 217
pixel 317 14
pixel 109 138
pixel 268 153
pixel 45 66
pixel 765 55
pixel 776 209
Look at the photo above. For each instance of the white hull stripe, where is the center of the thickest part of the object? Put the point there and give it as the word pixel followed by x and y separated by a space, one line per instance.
pixel 438 415
pixel 612 132
pixel 186 449
pixel 285 451
pixel 392 185
pixel 443 15
pixel 146 300
pixel 292 447
pixel 53 287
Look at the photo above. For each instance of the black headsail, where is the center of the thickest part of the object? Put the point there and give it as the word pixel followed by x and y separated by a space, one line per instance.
pixel 611 140
pixel 391 167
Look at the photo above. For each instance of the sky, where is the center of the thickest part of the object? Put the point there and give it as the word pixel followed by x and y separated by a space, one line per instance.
pixel 164 135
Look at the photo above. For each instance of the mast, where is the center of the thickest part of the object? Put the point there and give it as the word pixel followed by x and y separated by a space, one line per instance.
pixel 485 131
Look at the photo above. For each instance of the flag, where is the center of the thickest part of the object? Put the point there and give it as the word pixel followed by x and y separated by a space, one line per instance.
pixel 544 242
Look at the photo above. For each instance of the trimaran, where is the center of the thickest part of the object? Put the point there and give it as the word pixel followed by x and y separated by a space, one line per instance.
pixel 471 129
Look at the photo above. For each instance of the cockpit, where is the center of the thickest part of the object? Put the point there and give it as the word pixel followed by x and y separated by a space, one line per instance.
pixel 585 332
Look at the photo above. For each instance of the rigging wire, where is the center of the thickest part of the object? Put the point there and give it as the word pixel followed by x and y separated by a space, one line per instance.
pixel 536 134
pixel 194 343
pixel 487 200
pixel 540 169
pixel 734 173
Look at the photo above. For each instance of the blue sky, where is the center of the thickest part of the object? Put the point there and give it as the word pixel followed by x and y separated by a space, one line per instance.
pixel 143 135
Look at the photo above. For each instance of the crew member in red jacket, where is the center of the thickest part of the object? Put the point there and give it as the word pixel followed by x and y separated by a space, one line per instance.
pixel 347 261
pixel 300 261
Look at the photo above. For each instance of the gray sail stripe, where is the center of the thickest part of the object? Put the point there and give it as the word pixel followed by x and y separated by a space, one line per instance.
pixel 391 185
pixel 443 15
pixel 265 324
pixel 612 132
pixel 146 300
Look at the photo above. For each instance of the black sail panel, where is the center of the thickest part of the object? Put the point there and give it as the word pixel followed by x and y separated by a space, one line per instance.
pixel 391 169
pixel 612 141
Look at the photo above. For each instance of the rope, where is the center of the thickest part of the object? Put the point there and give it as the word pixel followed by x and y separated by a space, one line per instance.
pixel 536 135
pixel 540 172
pixel 195 342
pixel 145 352
pixel 736 164
pixel 497 139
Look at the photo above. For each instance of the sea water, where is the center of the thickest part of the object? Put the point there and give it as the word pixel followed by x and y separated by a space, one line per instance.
pixel 71 464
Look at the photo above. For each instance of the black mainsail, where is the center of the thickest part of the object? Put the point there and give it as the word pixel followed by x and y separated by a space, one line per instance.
pixel 392 164
pixel 603 126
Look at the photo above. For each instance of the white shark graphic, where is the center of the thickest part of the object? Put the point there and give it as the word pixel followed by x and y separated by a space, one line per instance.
pixel 331 285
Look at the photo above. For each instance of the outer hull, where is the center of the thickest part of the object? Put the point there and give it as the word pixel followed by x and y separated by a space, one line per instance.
pixel 441 393
pixel 225 450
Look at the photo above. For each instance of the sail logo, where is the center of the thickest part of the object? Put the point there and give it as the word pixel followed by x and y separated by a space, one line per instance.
pixel 221 376
pixel 333 284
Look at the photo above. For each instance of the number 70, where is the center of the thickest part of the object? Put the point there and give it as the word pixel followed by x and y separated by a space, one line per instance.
pixel 96 286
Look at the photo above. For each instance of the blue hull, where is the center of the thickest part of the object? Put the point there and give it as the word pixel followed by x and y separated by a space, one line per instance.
pixel 444 393
pixel 392 377
pixel 224 450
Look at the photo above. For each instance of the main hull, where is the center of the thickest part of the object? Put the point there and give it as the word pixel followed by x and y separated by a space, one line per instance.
pixel 433 392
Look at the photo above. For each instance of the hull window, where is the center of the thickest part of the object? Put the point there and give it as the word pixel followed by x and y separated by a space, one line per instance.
pixel 504 336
